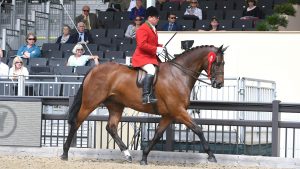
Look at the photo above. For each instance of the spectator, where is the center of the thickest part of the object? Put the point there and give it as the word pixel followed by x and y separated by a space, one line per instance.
pixel 194 9
pixel 131 5
pixel 251 11
pixel 171 25
pixel 138 10
pixel 131 29
pixel 89 19
pixel 81 36
pixel 30 50
pixel 78 59
pixel 3 67
pixel 18 69
pixel 65 37
pixel 214 25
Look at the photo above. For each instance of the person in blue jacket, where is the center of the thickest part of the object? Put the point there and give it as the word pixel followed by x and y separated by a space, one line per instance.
pixel 30 50
pixel 171 25
pixel 138 10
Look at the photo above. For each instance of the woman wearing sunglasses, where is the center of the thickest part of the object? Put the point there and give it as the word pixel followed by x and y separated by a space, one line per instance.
pixel 131 29
pixel 30 50
pixel 79 59
pixel 18 69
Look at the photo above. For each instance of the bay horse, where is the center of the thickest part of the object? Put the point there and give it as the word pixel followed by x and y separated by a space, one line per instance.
pixel 115 86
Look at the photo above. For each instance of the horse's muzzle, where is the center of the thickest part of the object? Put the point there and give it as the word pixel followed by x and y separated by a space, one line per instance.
pixel 216 84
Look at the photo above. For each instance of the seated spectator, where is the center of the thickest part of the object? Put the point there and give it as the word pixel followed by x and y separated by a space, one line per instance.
pixel 214 25
pixel 171 25
pixel 65 37
pixel 131 29
pixel 194 9
pixel 89 19
pixel 252 11
pixel 138 10
pixel 18 69
pixel 3 67
pixel 30 50
pixel 78 59
pixel 81 36
pixel 132 4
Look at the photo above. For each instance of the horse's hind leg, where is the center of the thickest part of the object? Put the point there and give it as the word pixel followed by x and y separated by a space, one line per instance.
pixel 115 114
pixel 186 119
pixel 163 124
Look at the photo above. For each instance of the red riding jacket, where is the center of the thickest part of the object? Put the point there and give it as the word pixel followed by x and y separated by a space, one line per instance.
pixel 147 42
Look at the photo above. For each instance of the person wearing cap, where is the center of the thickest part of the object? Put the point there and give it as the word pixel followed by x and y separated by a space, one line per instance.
pixel 79 59
pixel 147 51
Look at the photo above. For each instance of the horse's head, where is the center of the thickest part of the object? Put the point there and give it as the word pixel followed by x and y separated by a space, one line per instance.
pixel 215 68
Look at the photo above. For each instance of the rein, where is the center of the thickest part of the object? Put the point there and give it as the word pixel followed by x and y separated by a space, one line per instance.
pixel 189 72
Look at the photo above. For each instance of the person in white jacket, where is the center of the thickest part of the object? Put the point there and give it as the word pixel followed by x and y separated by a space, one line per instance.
pixel 194 9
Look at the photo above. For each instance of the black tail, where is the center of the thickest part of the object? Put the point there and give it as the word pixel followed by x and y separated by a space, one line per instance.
pixel 74 109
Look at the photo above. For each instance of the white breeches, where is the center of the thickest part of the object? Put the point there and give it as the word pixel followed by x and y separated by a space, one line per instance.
pixel 149 68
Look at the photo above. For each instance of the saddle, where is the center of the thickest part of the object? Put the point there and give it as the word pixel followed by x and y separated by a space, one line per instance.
pixel 141 76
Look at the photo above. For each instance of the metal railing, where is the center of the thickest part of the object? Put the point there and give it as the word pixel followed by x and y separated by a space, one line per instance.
pixel 275 137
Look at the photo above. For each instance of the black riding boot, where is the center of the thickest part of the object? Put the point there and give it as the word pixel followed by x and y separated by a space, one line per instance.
pixel 148 93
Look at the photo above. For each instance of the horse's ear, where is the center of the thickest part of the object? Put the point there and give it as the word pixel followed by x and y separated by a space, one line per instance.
pixel 220 49
pixel 223 50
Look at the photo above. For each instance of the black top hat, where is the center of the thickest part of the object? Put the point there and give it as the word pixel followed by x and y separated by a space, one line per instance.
pixel 151 11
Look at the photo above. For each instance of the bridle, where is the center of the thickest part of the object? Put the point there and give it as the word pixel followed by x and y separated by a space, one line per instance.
pixel 195 74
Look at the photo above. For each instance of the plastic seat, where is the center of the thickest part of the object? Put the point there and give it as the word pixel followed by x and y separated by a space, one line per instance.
pixel 82 70
pixel 119 16
pixel 41 70
pixel 186 24
pixel 170 6
pixel 63 70
pixel 103 16
pixel 127 47
pixel 233 14
pixel 121 41
pixel 240 5
pixel 214 13
pixel 202 24
pixel 115 33
pixel 11 53
pixel 50 46
pixel 67 47
pixel 124 24
pixel 111 24
pixel 57 62
pixel 243 24
pixel 37 61
pixel 114 55
pixel 92 47
pixel 107 47
pixel 163 15
pixel 224 5
pixel 225 24
pixel 207 5
pixel 265 4
pixel 52 54
pixel 103 41
pixel 98 33
pixel 183 6
pixel 49 87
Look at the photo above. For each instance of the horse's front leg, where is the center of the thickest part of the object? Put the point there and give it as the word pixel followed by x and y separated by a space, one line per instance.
pixel 163 124
pixel 186 119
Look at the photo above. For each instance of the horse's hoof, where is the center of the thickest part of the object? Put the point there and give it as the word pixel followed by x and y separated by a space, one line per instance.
pixel 143 162
pixel 64 157
pixel 128 159
pixel 212 159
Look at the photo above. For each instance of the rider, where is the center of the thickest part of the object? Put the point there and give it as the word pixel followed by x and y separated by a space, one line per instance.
pixel 147 51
